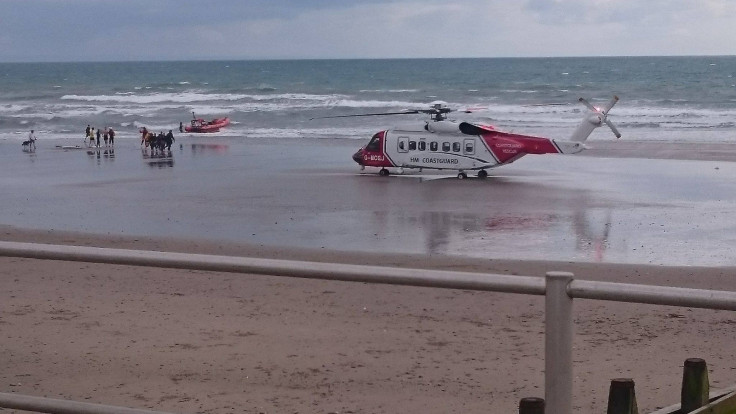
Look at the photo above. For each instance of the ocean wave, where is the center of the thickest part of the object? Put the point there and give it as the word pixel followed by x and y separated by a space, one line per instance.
pixel 389 90
pixel 156 126
pixel 12 108
pixel 156 98
pixel 191 97
pixel 357 133
pixel 351 103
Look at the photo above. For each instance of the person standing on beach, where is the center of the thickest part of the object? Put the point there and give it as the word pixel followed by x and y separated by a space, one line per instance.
pixel 86 132
pixel 32 139
pixel 106 135
pixel 91 137
pixel 181 127
pixel 112 136
pixel 169 139
pixel 98 137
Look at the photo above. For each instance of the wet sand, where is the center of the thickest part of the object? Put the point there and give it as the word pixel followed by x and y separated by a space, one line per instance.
pixel 310 194
pixel 209 342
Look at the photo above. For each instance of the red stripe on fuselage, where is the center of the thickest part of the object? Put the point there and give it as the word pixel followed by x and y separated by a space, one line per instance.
pixel 510 147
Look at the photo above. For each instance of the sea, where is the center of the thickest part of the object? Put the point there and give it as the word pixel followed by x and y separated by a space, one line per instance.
pixel 689 99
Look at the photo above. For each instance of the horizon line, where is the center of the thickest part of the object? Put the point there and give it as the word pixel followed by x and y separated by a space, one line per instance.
pixel 213 59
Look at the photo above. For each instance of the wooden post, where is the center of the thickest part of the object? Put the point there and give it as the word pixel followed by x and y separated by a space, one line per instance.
pixel 531 405
pixel 621 397
pixel 695 387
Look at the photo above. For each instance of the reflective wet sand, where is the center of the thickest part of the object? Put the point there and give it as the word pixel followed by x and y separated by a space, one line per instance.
pixel 308 193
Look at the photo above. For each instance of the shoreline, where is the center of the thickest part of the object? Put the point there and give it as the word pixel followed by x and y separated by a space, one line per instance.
pixel 606 148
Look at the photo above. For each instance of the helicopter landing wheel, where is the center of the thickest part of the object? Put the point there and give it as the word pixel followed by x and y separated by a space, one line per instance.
pixel 461 175
pixel 383 172
pixel 482 174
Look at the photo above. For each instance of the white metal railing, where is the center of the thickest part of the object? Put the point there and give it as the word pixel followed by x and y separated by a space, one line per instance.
pixel 55 406
pixel 559 289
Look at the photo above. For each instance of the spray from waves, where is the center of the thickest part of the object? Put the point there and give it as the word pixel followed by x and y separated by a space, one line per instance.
pixel 356 133
pixel 244 102
pixel 13 108
pixel 389 90
pixel 191 97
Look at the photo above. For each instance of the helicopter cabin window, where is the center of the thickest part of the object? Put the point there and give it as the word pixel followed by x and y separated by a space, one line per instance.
pixel 422 145
pixel 375 143
pixel 412 145
pixel 456 147
pixel 433 146
pixel 469 146
pixel 445 147
pixel 403 144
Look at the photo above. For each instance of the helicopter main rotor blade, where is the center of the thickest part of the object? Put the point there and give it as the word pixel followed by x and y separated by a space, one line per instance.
pixel 613 128
pixel 374 114
pixel 588 105
pixel 611 103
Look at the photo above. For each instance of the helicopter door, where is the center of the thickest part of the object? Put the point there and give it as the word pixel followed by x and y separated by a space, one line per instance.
pixel 469 146
pixel 403 144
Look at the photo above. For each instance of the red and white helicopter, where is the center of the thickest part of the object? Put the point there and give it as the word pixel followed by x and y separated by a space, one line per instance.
pixel 463 146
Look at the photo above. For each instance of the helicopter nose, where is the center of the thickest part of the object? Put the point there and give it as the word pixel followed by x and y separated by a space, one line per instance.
pixel 358 156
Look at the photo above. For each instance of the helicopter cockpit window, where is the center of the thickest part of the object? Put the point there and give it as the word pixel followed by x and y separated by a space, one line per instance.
pixel 433 146
pixel 375 143
pixel 422 145
pixel 412 145
pixel 445 147
pixel 456 147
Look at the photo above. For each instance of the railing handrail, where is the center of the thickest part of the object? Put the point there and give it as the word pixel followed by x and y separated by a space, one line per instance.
pixel 559 289
pixel 57 406
pixel 276 267
pixel 532 285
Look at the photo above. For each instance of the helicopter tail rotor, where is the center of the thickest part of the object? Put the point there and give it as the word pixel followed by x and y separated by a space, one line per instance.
pixel 593 119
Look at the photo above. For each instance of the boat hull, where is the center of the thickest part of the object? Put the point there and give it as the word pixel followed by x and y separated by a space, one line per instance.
pixel 203 126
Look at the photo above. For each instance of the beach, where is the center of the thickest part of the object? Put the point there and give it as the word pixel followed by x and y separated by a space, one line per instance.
pixel 188 341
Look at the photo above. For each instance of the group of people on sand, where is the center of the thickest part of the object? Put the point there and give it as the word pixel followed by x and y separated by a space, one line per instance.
pixel 158 141
pixel 94 135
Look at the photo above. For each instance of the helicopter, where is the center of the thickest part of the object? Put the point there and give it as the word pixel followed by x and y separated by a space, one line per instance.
pixel 444 144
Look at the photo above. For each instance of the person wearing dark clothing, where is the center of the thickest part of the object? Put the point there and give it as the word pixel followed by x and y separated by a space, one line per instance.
pixel 98 136
pixel 112 136
pixel 181 127
pixel 169 139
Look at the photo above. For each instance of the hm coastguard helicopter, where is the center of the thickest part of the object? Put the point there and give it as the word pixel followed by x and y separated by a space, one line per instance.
pixel 464 146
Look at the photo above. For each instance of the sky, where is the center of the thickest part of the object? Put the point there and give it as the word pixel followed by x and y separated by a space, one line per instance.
pixel 125 30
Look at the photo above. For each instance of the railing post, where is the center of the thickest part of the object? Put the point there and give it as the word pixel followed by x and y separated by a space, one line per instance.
pixel 558 343
pixel 531 405
pixel 695 387
pixel 622 397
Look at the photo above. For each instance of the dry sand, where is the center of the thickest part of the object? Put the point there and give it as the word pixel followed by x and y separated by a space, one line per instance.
pixel 187 341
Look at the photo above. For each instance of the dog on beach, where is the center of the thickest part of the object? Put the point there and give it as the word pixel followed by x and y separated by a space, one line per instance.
pixel 27 143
